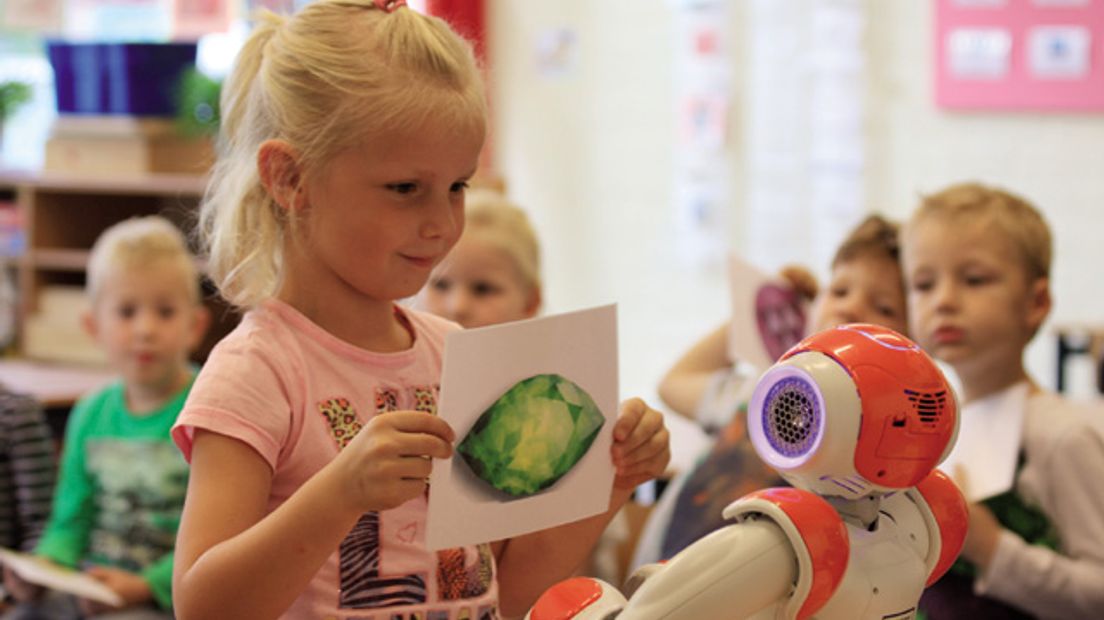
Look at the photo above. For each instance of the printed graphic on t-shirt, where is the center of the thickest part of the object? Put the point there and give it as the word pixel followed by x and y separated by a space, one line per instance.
pixel 485 612
pixel 140 487
pixel 342 418
pixel 462 573
pixel 362 585
pixel 387 399
pixel 460 576
pixel 425 399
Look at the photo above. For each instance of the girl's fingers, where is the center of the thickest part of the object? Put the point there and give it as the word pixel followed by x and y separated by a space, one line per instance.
pixel 422 445
pixel 653 447
pixel 629 416
pixel 417 422
pixel 649 428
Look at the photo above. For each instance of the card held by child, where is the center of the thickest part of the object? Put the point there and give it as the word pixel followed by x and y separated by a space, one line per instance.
pixel 533 404
pixel 44 573
pixel 768 315
pixel 984 458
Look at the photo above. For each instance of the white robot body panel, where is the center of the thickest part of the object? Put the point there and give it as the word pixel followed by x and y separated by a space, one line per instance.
pixel 885 575
pixel 736 572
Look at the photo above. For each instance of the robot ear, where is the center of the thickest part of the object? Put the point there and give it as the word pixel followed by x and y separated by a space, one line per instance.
pixel 803 420
pixel 786 416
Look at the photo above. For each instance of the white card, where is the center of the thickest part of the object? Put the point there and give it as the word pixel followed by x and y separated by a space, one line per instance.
pixel 984 458
pixel 42 572
pixel 768 316
pixel 480 366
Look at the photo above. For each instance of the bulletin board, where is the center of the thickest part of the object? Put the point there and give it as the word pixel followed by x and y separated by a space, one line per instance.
pixel 1037 55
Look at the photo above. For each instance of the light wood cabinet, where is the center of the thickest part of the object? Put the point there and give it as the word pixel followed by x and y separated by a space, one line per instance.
pixel 63 215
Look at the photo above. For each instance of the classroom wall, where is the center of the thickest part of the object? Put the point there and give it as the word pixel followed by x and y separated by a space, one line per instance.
pixel 588 152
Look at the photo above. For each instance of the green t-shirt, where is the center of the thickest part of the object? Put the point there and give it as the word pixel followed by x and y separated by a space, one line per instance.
pixel 120 490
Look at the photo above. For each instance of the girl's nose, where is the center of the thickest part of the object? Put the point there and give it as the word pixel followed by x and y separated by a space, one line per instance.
pixel 446 220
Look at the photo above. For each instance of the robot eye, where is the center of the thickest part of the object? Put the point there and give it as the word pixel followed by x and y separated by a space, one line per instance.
pixel 792 416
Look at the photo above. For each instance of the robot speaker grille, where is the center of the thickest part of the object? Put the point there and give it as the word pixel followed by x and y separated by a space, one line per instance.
pixel 792 417
pixel 930 407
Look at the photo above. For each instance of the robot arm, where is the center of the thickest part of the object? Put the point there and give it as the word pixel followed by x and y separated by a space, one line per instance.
pixel 732 573
pixel 786 550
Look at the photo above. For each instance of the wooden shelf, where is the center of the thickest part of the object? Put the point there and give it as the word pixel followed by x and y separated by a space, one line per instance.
pixel 63 215
pixel 59 260
pixel 164 184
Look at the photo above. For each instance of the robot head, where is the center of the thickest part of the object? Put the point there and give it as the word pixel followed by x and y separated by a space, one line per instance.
pixel 852 411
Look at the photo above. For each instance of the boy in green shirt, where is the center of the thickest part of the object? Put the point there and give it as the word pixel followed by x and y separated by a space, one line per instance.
pixel 122 482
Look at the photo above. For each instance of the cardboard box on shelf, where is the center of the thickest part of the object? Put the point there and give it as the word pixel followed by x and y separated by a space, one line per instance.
pixel 54 333
pixel 118 144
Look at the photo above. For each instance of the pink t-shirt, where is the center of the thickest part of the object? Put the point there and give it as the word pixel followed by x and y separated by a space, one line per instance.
pixel 296 394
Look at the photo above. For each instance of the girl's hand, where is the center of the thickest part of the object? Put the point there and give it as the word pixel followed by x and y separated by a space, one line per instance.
pixel 20 589
pixel 641 444
pixel 132 588
pixel 389 461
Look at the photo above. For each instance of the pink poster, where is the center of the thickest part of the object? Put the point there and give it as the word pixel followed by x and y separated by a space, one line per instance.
pixel 195 18
pixel 1043 55
pixel 39 15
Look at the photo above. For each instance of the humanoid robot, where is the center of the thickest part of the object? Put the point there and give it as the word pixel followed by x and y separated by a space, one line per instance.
pixel 856 418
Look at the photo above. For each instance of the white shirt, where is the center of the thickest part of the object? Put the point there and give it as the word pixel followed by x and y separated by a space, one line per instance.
pixel 1063 475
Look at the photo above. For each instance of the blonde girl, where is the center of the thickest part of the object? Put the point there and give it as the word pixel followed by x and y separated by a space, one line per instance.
pixel 493 274
pixel 350 133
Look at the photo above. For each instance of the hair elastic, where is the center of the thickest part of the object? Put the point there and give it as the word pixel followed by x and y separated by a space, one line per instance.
pixel 389 6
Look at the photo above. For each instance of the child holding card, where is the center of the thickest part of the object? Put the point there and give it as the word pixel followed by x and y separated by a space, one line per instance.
pixel 352 130
pixel 865 286
pixel 977 260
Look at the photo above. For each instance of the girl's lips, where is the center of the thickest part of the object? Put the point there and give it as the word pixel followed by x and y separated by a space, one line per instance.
pixel 948 335
pixel 421 261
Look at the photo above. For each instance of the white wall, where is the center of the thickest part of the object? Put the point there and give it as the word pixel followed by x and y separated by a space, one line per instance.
pixel 589 154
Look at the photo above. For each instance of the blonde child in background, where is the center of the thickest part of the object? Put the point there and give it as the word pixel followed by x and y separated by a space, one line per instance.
pixel 977 261
pixel 492 275
pixel 350 133
pixel 865 286
pixel 121 483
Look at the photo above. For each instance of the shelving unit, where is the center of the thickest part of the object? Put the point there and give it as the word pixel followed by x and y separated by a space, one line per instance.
pixel 63 215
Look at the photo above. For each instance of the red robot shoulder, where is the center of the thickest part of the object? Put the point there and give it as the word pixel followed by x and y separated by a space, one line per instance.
pixel 817 533
pixel 947 508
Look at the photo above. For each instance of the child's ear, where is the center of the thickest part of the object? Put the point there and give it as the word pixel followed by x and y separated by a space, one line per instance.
pixel 1039 303
pixel 281 174
pixel 533 304
pixel 89 324
pixel 201 321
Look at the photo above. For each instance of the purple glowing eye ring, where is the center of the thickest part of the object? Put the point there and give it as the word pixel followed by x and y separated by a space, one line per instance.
pixel 786 420
pixel 792 417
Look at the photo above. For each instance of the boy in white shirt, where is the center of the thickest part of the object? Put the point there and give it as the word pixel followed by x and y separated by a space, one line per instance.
pixel 977 265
